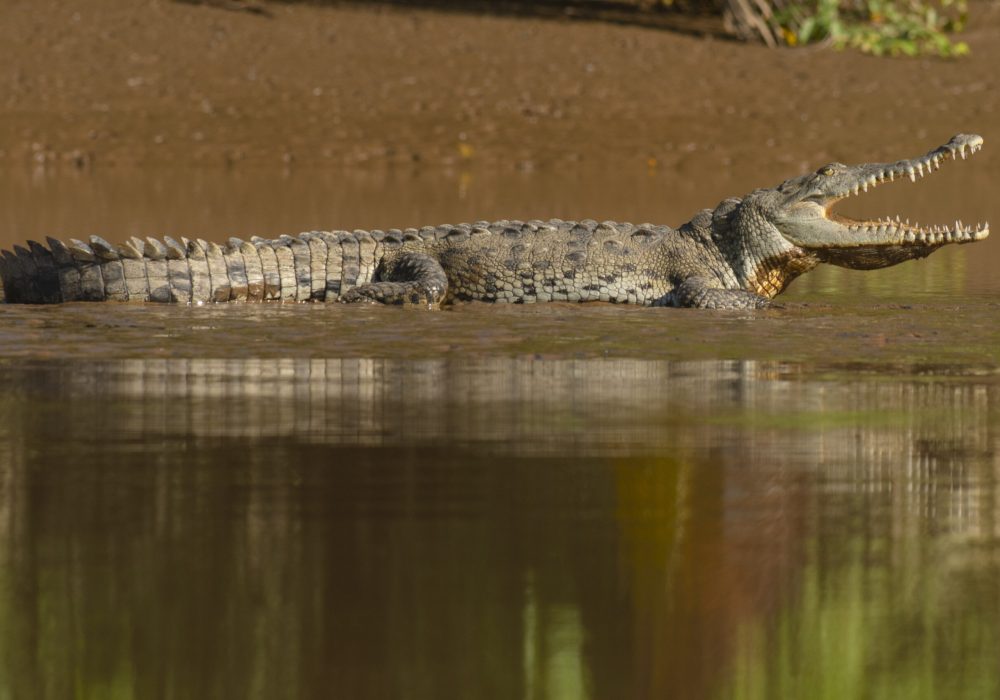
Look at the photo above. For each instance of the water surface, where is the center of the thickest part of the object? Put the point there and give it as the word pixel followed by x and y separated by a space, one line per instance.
pixel 497 528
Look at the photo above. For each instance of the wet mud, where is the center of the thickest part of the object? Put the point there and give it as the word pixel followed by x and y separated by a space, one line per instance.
pixel 958 334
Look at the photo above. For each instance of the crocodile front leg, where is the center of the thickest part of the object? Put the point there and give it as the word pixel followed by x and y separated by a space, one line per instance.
pixel 703 293
pixel 413 278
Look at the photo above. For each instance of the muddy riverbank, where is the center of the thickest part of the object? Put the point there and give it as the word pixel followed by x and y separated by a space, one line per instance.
pixel 106 82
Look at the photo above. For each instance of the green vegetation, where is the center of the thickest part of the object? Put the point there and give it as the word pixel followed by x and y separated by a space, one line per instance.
pixel 880 27
pixel 907 27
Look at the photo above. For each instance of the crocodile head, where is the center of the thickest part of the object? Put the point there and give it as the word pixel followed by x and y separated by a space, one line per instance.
pixel 794 225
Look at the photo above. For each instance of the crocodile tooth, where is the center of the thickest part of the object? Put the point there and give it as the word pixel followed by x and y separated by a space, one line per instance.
pixel 912 173
pixel 856 189
pixel 909 237
pixel 864 186
pixel 961 149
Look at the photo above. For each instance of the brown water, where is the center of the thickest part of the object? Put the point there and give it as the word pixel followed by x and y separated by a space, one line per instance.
pixel 561 501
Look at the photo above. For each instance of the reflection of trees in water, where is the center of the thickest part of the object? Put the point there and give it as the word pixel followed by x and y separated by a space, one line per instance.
pixel 500 527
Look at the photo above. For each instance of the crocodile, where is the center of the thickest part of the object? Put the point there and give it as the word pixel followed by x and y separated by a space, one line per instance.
pixel 739 255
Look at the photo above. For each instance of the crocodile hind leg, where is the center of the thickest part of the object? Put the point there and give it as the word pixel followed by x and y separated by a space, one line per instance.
pixel 413 278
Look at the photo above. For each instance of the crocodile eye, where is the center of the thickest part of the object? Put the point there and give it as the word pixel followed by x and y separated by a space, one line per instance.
pixel 826 170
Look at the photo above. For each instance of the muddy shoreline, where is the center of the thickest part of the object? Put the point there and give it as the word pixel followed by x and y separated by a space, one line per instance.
pixel 108 82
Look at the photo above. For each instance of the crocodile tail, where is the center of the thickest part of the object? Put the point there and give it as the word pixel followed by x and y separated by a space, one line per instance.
pixel 137 270
pixel 313 266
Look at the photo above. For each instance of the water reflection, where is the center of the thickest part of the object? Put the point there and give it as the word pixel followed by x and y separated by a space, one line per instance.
pixel 496 528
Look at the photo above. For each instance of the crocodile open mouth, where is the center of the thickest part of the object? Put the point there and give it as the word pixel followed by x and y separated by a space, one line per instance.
pixel 902 231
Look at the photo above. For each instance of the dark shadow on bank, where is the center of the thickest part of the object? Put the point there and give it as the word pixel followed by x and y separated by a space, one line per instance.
pixel 687 17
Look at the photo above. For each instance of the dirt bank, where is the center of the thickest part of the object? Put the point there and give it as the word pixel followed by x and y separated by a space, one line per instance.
pixel 118 81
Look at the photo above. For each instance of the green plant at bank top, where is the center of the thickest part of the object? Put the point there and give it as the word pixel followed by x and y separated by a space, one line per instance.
pixel 880 27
